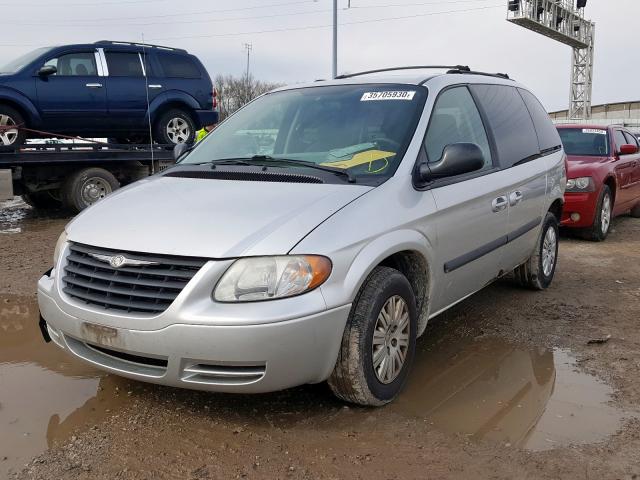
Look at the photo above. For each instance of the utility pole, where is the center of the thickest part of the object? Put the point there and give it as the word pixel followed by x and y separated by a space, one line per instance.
pixel 248 47
pixel 334 70
pixel 563 21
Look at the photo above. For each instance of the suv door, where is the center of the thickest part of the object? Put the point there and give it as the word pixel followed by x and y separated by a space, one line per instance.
pixel 625 166
pixel 523 161
pixel 129 75
pixel 471 216
pixel 74 98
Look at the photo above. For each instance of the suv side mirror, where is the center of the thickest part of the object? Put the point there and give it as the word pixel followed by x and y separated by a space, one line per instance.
pixel 628 149
pixel 179 150
pixel 457 159
pixel 47 70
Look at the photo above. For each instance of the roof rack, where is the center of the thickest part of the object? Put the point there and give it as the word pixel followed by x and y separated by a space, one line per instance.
pixel 138 44
pixel 473 72
pixel 413 67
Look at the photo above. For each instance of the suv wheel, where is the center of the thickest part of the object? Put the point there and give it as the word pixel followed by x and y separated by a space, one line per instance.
pixel 538 271
pixel 11 137
pixel 174 127
pixel 379 341
pixel 87 186
pixel 602 223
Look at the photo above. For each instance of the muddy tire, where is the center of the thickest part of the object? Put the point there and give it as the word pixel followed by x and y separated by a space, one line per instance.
pixel 88 186
pixel 537 272
pixel 602 223
pixel 175 126
pixel 41 200
pixel 11 139
pixel 379 341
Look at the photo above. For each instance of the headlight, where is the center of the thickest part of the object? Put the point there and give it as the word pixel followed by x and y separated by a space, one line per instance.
pixel 62 239
pixel 268 278
pixel 581 184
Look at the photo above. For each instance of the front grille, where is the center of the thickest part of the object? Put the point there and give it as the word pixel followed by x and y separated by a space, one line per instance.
pixel 132 288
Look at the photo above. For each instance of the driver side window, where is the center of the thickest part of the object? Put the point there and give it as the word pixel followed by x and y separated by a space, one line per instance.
pixel 74 65
pixel 455 119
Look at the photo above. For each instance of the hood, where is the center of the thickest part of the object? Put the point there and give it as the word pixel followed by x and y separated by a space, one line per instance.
pixel 209 218
pixel 583 165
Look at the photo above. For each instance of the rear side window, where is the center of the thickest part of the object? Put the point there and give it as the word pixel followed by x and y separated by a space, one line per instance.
pixel 515 136
pixel 548 137
pixel 124 64
pixel 178 66
pixel 455 119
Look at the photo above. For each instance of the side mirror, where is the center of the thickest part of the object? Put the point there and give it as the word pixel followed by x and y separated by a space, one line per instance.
pixel 47 70
pixel 457 159
pixel 628 149
pixel 179 150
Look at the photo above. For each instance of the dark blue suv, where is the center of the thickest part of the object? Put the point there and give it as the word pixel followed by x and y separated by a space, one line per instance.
pixel 118 90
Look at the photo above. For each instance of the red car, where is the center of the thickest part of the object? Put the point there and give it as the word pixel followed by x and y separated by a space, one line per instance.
pixel 603 177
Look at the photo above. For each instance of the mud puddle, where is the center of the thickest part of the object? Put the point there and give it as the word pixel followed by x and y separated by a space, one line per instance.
pixel 16 217
pixel 44 394
pixel 524 397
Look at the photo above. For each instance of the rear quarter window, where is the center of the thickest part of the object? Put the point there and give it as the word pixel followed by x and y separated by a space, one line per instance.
pixel 548 137
pixel 178 66
pixel 510 122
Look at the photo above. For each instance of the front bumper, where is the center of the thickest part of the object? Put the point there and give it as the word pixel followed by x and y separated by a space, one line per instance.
pixel 582 204
pixel 203 355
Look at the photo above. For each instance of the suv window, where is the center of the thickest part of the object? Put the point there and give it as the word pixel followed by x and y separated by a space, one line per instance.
pixel 510 122
pixel 548 137
pixel 75 64
pixel 124 64
pixel 456 119
pixel 178 66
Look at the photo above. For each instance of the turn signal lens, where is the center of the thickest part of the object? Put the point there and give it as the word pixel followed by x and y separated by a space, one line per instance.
pixel 270 278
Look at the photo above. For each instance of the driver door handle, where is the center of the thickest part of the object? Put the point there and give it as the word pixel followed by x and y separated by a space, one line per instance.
pixel 499 203
pixel 94 85
pixel 515 198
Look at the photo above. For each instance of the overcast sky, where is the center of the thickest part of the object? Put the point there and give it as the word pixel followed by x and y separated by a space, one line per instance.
pixel 291 39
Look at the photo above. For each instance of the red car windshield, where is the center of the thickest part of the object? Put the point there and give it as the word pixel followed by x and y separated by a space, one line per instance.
pixel 585 141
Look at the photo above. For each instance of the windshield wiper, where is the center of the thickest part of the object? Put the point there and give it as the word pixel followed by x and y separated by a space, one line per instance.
pixel 303 163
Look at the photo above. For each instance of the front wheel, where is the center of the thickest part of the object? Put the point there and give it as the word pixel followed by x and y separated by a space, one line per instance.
pixel 174 127
pixel 602 223
pixel 537 272
pixel 12 137
pixel 379 341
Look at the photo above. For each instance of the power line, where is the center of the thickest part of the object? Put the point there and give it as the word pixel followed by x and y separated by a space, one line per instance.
pixel 314 27
pixel 83 4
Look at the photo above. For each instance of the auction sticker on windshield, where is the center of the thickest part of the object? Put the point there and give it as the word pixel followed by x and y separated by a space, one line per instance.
pixel 594 130
pixel 388 95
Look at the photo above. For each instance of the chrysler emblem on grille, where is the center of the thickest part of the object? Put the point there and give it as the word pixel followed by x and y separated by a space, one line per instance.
pixel 117 261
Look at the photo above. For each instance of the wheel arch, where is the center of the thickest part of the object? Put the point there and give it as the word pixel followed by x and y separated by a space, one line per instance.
pixel 556 208
pixel 170 100
pixel 22 106
pixel 610 181
pixel 408 252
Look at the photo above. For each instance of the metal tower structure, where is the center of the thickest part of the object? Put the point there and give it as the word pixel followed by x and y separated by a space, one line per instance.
pixel 563 21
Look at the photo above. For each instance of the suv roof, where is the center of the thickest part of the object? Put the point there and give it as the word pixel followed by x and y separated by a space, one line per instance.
pixel 103 43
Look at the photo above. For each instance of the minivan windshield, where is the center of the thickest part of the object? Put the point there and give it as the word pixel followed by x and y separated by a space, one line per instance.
pixel 19 63
pixel 363 130
pixel 591 142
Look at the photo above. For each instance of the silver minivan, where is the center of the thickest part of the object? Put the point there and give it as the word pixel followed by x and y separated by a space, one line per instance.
pixel 313 234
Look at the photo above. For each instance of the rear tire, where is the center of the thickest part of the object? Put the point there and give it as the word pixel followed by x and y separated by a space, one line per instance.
pixel 174 127
pixel 11 139
pixel 604 214
pixel 88 186
pixel 377 347
pixel 42 200
pixel 537 272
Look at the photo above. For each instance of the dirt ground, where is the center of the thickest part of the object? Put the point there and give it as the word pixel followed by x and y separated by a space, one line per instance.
pixel 473 407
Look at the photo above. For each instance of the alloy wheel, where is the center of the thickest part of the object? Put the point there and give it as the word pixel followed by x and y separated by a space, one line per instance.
pixel 178 130
pixel 8 135
pixel 605 214
pixel 391 339
pixel 549 248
